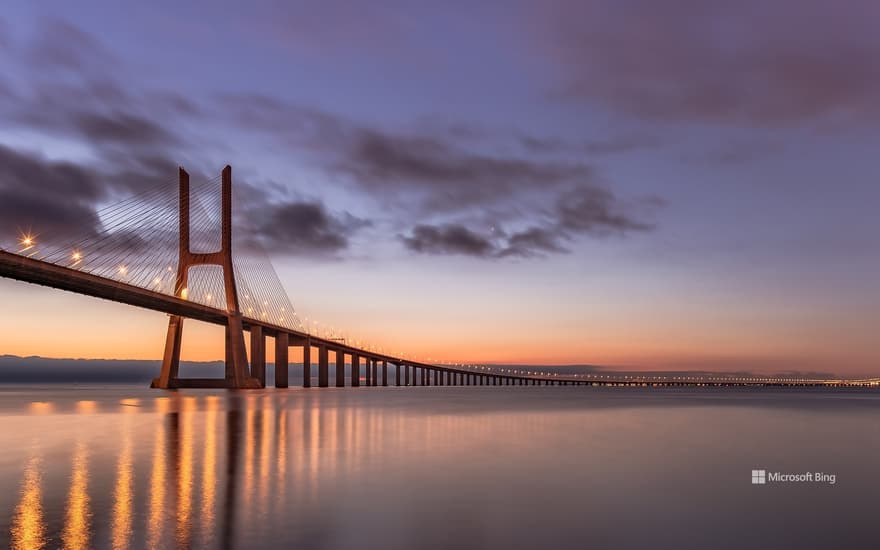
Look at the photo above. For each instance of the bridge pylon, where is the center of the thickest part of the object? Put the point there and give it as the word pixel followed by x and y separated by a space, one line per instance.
pixel 237 371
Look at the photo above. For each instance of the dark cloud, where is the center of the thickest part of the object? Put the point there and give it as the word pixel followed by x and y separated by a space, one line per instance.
pixel 269 218
pixel 579 211
pixel 532 242
pixel 44 195
pixel 122 128
pixel 447 178
pixel 752 63
pixel 305 228
pixel 448 239
pixel 596 211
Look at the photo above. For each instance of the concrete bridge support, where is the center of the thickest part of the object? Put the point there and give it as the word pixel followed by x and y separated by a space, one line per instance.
pixel 281 366
pixel 323 367
pixel 384 372
pixel 307 364
pixel 355 370
pixel 340 369
pixel 258 355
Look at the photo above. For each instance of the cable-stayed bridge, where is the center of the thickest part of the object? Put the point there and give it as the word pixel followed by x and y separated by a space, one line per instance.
pixel 171 249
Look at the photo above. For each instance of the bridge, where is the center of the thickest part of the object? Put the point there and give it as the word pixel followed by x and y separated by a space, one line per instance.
pixel 162 251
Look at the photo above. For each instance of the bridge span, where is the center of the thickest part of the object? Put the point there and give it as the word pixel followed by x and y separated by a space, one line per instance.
pixel 70 271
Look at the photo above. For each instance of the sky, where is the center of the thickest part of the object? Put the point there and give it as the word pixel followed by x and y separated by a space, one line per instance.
pixel 626 183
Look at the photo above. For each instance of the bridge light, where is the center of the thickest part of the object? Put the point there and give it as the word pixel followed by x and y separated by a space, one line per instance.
pixel 76 256
pixel 123 270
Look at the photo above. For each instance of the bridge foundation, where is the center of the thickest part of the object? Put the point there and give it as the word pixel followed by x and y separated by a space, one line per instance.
pixel 340 369
pixel 307 364
pixel 323 367
pixel 282 345
pixel 355 370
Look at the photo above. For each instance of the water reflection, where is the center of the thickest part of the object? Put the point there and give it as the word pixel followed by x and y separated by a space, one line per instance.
pixel 157 481
pixel 209 469
pixel 123 493
pixel 28 527
pixel 77 522
pixel 352 470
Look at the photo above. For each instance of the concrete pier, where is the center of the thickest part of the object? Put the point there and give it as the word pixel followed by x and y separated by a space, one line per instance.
pixel 355 370
pixel 307 364
pixel 258 355
pixel 323 367
pixel 281 367
pixel 340 369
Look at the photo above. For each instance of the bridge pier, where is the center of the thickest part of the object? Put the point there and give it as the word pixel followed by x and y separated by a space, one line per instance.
pixel 397 374
pixel 355 370
pixel 375 372
pixel 340 369
pixel 323 367
pixel 258 355
pixel 307 363
pixel 368 367
pixel 281 364
pixel 406 375
pixel 384 372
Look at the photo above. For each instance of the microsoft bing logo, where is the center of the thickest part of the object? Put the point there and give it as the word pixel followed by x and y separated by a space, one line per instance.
pixel 759 477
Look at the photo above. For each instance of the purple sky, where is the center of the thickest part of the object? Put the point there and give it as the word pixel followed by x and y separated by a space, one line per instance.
pixel 628 183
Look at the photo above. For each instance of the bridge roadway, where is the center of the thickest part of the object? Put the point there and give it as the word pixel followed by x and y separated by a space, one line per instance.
pixel 21 268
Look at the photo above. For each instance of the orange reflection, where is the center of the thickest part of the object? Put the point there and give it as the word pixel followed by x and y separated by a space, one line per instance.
pixel 209 469
pixel 249 454
pixel 41 407
pixel 157 483
pixel 185 474
pixel 265 451
pixel 28 526
pixel 122 505
pixel 86 407
pixel 281 452
pixel 77 528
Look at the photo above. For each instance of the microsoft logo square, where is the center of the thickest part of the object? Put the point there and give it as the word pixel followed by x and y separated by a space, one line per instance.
pixel 759 477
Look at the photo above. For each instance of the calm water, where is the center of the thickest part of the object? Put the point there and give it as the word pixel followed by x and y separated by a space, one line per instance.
pixel 531 467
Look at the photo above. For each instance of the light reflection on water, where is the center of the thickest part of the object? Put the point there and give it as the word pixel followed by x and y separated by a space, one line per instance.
pixel 121 467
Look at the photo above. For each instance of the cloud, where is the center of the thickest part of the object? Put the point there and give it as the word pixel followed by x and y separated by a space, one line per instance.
pixel 579 211
pixel 532 242
pixel 53 196
pixel 444 177
pixel 594 210
pixel 448 239
pixel 304 228
pixel 753 63
pixel 61 45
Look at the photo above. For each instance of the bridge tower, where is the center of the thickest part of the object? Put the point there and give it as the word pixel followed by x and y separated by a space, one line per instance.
pixel 237 371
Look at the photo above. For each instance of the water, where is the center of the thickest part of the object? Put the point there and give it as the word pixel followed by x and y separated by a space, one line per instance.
pixel 453 467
